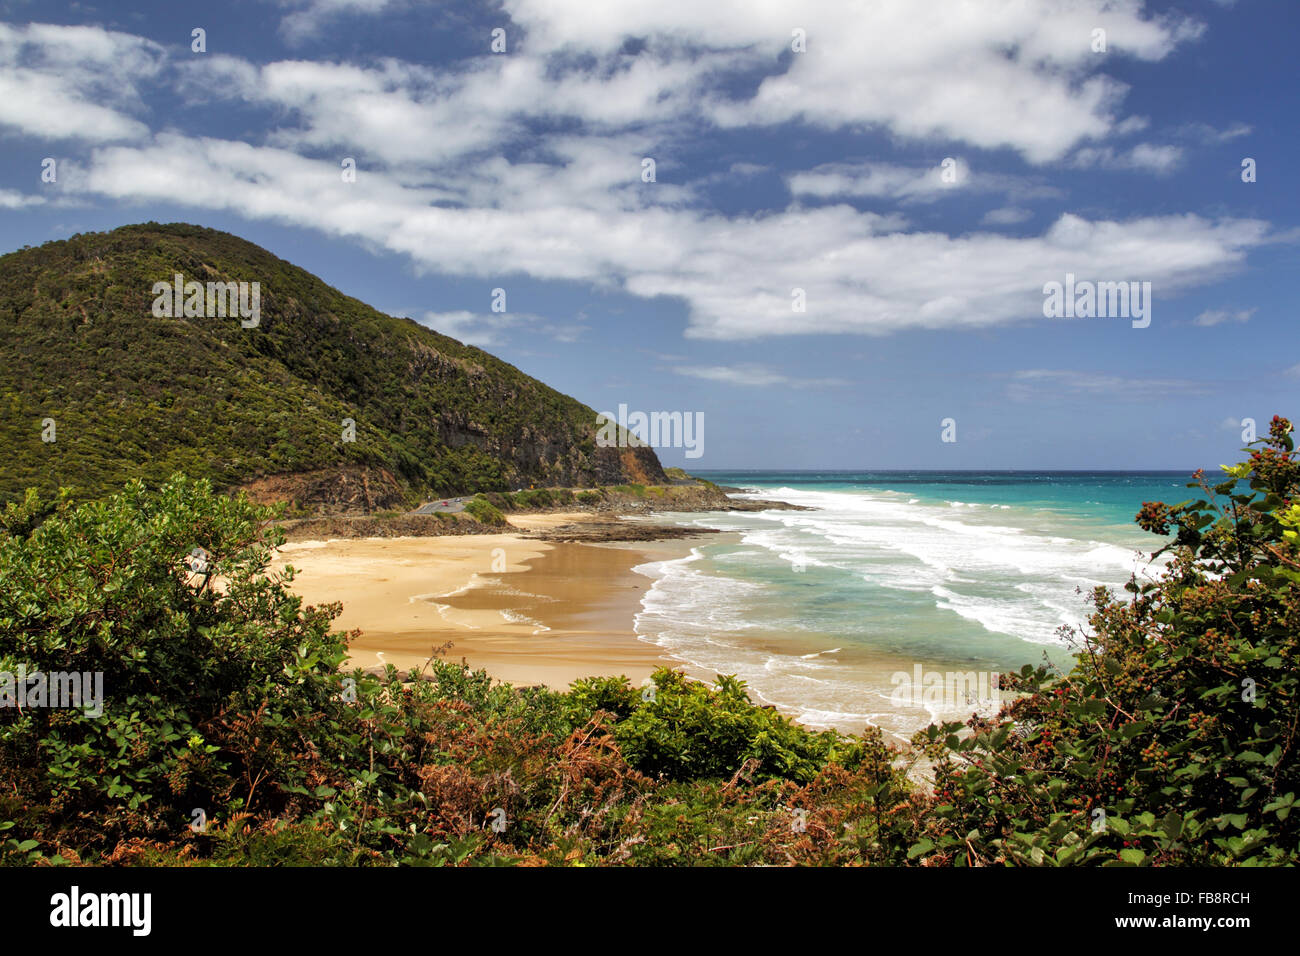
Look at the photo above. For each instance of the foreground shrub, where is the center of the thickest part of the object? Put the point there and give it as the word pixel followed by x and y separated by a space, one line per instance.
pixel 1173 740
pixel 165 598
pixel 685 730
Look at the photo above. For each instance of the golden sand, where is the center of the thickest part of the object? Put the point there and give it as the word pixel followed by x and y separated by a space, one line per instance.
pixel 526 611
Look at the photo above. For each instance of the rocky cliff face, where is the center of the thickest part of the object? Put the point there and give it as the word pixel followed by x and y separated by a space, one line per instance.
pixel 330 491
pixel 325 401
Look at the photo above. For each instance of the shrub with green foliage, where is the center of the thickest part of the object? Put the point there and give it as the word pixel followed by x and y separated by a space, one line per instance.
pixel 636 490
pixel 685 730
pixel 538 498
pixel 482 510
pixel 501 500
pixel 210 665
pixel 1173 739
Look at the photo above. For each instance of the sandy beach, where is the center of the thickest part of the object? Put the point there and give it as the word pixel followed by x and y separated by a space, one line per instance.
pixel 533 612
pixel 527 611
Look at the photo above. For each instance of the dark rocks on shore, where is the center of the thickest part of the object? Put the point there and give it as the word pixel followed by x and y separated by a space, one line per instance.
pixel 745 504
pixel 595 531
pixel 683 498
pixel 605 527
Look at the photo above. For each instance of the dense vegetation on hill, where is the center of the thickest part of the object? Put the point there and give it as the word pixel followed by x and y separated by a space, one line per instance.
pixel 1172 740
pixel 135 396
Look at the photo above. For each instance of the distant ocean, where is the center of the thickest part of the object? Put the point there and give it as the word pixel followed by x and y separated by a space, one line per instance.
pixel 976 571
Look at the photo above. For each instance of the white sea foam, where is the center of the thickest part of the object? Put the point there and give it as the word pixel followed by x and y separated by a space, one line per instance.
pixel 1002 571
pixel 972 565
pixel 515 617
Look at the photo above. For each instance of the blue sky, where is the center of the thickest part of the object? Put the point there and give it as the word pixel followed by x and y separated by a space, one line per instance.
pixel 821 170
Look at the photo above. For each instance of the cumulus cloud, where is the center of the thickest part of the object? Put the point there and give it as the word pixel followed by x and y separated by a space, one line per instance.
pixel 530 164
pixel 74 82
pixel 1007 73
pixel 1002 74
pixel 738 275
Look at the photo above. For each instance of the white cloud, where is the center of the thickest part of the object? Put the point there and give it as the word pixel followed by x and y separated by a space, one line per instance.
pixel 413 117
pixel 910 183
pixel 753 375
pixel 1160 159
pixel 12 199
pixel 735 273
pixel 1131 124
pixel 1001 74
pixel 434 182
pixel 1037 384
pixel 498 328
pixel 1006 73
pixel 73 82
pixel 1219 316
pixel 1210 134
pixel 879 180
pixel 472 328
pixel 1144 156
pixel 310 17
pixel 393 114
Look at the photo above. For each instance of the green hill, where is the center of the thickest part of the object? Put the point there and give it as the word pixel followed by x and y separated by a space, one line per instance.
pixel 133 395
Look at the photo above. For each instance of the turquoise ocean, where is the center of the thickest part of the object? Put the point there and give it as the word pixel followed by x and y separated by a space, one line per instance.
pixel 820 610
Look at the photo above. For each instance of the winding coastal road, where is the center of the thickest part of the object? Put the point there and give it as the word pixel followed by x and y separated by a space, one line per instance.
pixel 444 505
